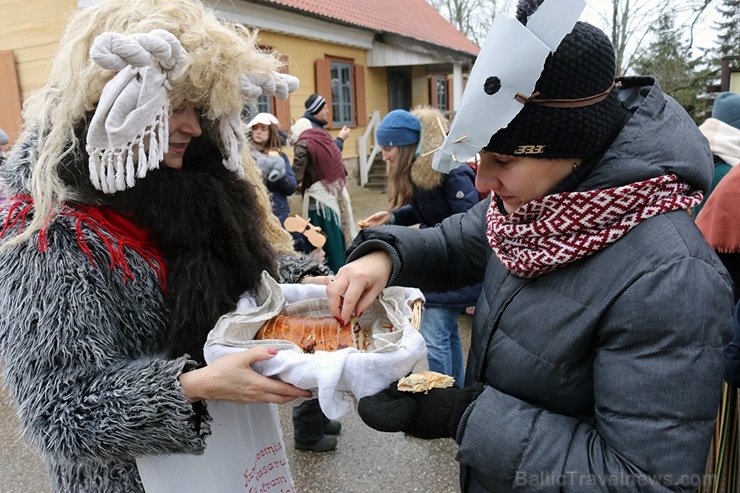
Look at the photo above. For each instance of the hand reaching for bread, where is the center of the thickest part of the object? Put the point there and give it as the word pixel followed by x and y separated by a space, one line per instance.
pixel 377 219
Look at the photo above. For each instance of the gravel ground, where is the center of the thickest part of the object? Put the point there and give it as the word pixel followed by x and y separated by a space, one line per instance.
pixel 365 461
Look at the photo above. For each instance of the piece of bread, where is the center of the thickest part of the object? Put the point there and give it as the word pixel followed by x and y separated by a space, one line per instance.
pixel 423 381
pixel 315 334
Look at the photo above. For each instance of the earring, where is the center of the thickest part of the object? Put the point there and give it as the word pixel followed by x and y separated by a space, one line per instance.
pixel 576 166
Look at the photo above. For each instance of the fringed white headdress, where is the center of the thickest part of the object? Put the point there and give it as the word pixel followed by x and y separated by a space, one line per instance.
pixel 133 109
pixel 128 134
pixel 252 87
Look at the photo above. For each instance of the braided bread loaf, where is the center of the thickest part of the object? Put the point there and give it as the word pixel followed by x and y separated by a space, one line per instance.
pixel 316 334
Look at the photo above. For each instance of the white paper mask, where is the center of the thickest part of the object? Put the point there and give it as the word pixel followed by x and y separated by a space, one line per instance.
pixel 511 61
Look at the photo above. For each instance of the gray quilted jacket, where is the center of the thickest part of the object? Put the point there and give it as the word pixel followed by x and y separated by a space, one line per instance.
pixel 605 374
pixel 83 355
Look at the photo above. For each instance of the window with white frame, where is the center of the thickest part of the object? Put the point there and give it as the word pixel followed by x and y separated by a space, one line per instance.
pixel 442 93
pixel 264 104
pixel 342 110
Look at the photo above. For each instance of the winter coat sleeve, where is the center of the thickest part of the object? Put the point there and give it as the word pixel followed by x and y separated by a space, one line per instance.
pixel 85 366
pixel 405 216
pixel 301 160
pixel 286 184
pixel 413 250
pixel 459 189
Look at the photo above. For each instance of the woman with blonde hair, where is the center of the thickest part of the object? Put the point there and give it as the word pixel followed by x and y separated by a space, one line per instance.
pixel 130 227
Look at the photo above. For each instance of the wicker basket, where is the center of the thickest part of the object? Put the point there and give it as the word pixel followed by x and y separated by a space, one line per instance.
pixel 416 311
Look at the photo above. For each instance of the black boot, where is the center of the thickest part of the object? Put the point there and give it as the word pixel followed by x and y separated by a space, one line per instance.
pixel 308 425
pixel 331 426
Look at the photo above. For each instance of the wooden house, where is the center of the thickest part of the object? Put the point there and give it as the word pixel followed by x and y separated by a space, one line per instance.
pixel 366 57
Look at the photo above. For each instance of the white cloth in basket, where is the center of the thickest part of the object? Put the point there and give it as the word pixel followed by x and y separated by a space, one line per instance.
pixel 338 378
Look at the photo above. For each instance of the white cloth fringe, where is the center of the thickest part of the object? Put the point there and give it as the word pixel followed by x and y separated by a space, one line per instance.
pixel 129 129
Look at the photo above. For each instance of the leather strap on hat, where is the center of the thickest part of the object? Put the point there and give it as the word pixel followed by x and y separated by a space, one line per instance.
pixel 563 103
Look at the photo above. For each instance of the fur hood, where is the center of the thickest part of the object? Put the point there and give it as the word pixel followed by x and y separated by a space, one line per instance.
pixel 432 136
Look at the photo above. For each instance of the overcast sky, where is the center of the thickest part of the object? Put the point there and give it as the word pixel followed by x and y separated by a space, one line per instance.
pixel 703 33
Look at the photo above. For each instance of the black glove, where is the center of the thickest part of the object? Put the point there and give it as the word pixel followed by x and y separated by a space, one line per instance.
pixel 434 414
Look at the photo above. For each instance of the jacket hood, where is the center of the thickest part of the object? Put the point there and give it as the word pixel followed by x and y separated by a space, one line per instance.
pixel 432 136
pixel 659 138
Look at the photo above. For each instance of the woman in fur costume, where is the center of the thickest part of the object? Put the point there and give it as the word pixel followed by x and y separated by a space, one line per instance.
pixel 130 227
pixel 421 195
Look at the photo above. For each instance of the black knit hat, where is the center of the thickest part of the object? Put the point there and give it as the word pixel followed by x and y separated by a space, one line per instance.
pixel 314 104
pixel 581 71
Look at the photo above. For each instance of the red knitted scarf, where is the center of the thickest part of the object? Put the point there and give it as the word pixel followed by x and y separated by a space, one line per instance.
pixel 557 229
pixel 327 158
pixel 114 230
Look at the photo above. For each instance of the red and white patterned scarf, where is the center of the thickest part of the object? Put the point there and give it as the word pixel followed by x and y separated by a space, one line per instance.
pixel 557 229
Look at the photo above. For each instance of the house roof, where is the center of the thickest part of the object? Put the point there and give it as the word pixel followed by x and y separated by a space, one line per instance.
pixel 410 18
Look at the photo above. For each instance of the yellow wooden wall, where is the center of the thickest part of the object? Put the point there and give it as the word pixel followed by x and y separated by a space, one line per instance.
pixel 419 86
pixel 31 30
pixel 302 53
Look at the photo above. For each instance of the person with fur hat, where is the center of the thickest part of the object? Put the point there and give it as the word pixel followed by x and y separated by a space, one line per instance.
pixel 420 195
pixel 317 112
pixel 596 349
pixel 722 130
pixel 132 226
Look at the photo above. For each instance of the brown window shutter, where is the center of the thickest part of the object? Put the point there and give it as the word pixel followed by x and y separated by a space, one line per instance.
pixel 450 92
pixel 282 106
pixel 323 79
pixel 10 96
pixel 433 101
pixel 282 112
pixel 358 73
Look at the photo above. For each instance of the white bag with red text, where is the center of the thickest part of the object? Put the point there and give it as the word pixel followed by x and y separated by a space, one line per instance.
pixel 244 453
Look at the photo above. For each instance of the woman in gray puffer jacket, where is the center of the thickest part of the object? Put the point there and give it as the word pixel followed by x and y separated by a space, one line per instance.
pixel 596 351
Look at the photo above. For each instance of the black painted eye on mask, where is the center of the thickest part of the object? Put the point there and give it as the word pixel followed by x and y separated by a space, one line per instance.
pixel 492 85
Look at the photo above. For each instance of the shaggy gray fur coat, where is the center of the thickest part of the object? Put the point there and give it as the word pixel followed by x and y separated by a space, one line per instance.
pixel 83 354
